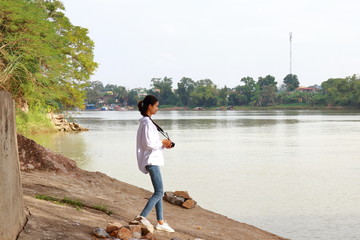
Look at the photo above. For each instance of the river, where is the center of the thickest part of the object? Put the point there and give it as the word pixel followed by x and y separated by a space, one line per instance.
pixel 293 173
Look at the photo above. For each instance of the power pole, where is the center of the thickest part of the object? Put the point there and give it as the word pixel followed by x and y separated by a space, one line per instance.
pixel 290 52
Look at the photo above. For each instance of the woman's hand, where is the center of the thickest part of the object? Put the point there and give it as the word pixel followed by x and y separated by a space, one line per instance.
pixel 166 143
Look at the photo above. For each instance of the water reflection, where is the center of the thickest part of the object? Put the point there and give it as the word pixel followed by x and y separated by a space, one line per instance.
pixel 71 145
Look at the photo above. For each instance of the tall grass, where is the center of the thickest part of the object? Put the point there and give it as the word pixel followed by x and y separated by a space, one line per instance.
pixel 33 122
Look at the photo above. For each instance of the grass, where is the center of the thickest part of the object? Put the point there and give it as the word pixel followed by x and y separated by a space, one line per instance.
pixel 33 122
pixel 72 202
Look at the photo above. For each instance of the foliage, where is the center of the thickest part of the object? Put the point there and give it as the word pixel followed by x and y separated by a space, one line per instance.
pixel 291 82
pixel 45 61
pixel 185 87
pixel 164 89
pixel 204 93
pixel 33 122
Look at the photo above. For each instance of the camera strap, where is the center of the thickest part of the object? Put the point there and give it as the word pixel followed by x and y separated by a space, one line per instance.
pixel 159 128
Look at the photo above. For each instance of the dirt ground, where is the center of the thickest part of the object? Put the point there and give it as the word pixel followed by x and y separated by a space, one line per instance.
pixel 49 220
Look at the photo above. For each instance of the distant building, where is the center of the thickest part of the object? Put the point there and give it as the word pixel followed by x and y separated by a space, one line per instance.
pixel 308 89
pixel 141 92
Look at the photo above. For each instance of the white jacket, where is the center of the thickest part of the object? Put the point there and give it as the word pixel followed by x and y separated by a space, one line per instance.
pixel 148 145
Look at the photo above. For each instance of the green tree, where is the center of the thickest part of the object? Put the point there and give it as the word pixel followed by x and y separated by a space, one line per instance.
pixel 267 81
pixel 223 95
pixel 93 91
pixel 185 87
pixel 268 89
pixel 250 90
pixel 133 98
pixel 204 94
pixel 45 61
pixel 166 94
pixel 291 82
pixel 268 95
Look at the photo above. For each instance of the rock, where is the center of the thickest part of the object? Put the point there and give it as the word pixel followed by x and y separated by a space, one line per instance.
pixel 189 204
pixel 177 200
pixel 176 239
pixel 113 226
pixel 183 194
pixel 101 233
pixel 145 225
pixel 36 157
pixel 114 233
pixel 135 228
pixel 149 236
pixel 124 233
pixel 62 125
pixel 168 196
pixel 136 235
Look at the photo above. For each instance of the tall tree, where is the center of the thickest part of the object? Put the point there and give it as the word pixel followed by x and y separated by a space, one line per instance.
pixel 185 87
pixel 291 82
pixel 45 61
pixel 250 90
pixel 267 81
pixel 164 86
pixel 205 94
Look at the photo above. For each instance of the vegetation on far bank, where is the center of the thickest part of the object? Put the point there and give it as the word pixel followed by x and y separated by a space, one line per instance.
pixel 263 93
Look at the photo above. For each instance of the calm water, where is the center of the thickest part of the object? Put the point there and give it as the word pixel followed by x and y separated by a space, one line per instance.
pixel 293 173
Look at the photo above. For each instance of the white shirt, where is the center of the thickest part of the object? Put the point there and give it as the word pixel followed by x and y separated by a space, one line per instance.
pixel 148 145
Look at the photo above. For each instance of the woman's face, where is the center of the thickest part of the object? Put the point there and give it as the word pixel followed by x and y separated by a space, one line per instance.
pixel 153 108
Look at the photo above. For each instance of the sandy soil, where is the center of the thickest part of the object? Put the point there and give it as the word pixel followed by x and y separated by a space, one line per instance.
pixel 48 220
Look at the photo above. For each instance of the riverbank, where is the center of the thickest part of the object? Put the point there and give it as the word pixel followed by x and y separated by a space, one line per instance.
pixel 53 175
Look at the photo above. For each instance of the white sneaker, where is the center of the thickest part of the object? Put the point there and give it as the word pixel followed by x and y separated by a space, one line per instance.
pixel 164 227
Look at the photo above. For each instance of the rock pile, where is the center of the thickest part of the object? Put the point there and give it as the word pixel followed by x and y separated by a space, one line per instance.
pixel 140 228
pixel 62 125
pixel 181 198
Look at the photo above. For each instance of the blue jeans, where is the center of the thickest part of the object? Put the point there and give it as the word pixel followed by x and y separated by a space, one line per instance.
pixel 156 198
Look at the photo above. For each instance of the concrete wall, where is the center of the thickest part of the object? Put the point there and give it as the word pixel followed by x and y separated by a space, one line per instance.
pixel 12 214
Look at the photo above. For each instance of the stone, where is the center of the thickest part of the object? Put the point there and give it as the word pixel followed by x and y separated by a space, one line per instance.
pixel 124 233
pixel 136 235
pixel 113 226
pixel 135 228
pixel 101 233
pixel 114 233
pixel 176 239
pixel 145 225
pixel 189 204
pixel 168 196
pixel 149 236
pixel 183 194
pixel 177 200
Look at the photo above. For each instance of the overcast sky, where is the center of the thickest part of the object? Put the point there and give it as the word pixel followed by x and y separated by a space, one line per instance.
pixel 221 40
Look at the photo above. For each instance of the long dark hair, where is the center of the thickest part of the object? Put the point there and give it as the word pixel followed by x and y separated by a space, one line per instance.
pixel 143 105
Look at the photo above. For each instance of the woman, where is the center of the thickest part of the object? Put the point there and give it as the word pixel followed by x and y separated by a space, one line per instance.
pixel 149 148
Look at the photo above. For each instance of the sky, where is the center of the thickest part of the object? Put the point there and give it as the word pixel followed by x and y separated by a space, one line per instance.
pixel 221 40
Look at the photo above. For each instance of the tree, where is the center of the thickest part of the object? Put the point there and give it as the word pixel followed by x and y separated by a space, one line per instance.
pixel 92 91
pixel 250 90
pixel 268 95
pixel 204 94
pixel 133 98
pixel 223 95
pixel 45 61
pixel 164 86
pixel 291 82
pixel 185 87
pixel 267 81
